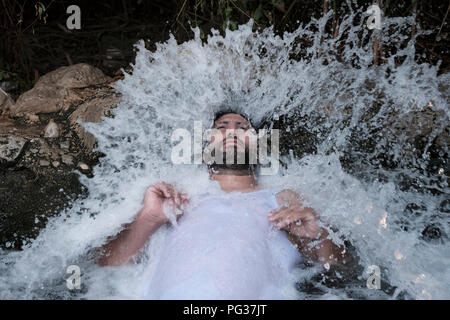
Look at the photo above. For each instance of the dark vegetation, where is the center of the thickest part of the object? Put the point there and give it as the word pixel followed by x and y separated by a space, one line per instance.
pixel 34 38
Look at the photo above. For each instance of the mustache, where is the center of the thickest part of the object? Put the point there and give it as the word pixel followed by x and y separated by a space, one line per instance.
pixel 234 138
pixel 222 142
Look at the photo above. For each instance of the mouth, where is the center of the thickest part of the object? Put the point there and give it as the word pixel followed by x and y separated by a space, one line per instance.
pixel 232 141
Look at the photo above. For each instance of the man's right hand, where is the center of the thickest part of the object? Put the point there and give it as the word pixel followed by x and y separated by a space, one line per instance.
pixel 155 197
pixel 129 241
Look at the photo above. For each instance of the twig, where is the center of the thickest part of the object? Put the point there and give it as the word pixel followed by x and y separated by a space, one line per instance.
pixel 444 20
pixel 179 12
pixel 69 61
pixel 288 11
pixel 245 13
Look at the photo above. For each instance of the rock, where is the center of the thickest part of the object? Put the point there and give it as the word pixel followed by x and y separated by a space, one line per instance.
pixel 53 93
pixel 11 148
pixel 44 148
pixel 65 144
pixel 26 194
pixel 83 166
pixel 44 163
pixel 54 155
pixel 67 159
pixel 422 123
pixel 6 124
pixel 91 111
pixel 445 206
pixel 6 102
pixel 32 118
pixel 43 100
pixel 55 164
pixel 79 75
pixel 51 130
pixel 432 232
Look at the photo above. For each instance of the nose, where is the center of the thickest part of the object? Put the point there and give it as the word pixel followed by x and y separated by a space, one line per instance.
pixel 230 132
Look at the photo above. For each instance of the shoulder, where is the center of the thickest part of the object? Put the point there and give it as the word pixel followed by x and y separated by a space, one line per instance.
pixel 287 197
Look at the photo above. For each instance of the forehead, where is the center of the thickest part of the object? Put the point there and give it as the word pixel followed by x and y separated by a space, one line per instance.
pixel 232 117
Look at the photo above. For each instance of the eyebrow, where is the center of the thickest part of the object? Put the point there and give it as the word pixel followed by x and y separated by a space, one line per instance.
pixel 225 122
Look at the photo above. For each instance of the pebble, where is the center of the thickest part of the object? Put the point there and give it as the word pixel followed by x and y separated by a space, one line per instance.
pixel 65 144
pixel 67 159
pixel 33 117
pixel 83 166
pixel 54 156
pixel 51 130
pixel 11 148
pixel 44 163
pixel 55 164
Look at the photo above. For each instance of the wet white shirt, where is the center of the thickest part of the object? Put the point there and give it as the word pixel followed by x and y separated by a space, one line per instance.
pixel 224 247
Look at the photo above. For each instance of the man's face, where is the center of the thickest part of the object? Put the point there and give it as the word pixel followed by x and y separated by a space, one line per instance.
pixel 231 129
pixel 232 143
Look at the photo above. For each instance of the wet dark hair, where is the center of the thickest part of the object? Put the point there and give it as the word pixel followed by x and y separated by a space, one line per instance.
pixel 221 113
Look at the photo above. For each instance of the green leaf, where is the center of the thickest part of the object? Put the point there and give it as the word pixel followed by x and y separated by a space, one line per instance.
pixel 233 25
pixel 228 12
pixel 257 13
pixel 41 9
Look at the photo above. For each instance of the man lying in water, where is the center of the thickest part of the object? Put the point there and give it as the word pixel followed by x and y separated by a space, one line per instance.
pixel 222 243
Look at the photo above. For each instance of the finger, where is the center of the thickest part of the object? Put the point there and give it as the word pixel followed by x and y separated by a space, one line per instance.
pixel 295 214
pixel 167 190
pixel 154 189
pixel 283 223
pixel 178 200
pixel 179 215
pixel 278 222
pixel 277 214
pixel 161 185
pixel 184 199
pixel 289 218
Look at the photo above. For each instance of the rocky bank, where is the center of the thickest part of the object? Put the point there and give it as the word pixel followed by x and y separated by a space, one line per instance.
pixel 43 149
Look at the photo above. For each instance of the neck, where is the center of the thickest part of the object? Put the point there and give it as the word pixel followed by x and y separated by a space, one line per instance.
pixel 231 180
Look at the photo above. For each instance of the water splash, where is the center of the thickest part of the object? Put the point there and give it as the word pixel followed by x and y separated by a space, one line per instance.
pixel 373 129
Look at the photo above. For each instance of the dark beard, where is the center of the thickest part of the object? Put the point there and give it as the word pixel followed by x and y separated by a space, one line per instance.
pixel 233 168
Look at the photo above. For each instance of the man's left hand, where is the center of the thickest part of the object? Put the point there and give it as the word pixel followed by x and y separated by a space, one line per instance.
pixel 297 220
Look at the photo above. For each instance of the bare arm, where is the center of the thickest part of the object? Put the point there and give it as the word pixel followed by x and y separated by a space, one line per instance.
pixel 301 225
pixel 129 241
pixel 150 218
